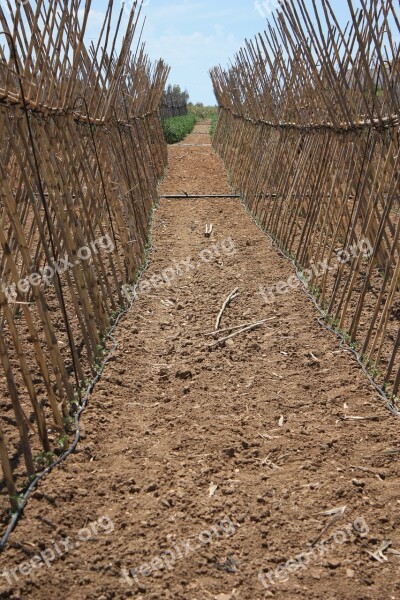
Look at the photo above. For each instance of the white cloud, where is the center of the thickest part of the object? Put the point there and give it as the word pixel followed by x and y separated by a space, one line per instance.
pixel 95 18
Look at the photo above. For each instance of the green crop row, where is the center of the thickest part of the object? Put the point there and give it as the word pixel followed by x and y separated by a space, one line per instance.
pixel 202 112
pixel 177 128
pixel 214 120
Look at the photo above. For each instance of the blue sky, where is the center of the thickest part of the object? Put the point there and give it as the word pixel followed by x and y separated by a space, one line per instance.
pixel 192 36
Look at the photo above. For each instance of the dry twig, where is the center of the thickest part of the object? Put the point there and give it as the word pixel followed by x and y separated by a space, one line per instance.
pixel 228 337
pixel 234 294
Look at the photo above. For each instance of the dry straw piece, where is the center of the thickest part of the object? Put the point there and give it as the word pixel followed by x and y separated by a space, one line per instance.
pixel 82 153
pixel 309 131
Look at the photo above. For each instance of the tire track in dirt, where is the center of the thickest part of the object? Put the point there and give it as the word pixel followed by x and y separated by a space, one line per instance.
pixel 246 443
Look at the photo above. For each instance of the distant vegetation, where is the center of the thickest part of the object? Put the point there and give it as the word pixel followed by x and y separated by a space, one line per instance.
pixel 177 128
pixel 176 124
pixel 174 102
pixel 214 120
pixel 201 111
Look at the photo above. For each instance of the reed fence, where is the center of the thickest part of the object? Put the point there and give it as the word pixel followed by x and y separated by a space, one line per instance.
pixel 81 155
pixel 309 131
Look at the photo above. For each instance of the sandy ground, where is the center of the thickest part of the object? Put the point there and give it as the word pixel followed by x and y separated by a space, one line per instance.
pixel 201 468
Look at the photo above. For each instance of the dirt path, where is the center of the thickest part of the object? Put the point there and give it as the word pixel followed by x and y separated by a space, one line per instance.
pixel 214 464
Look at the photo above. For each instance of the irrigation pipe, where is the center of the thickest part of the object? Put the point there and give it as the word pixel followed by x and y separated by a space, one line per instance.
pixel 321 320
pixel 24 499
pixel 198 196
pixel 343 344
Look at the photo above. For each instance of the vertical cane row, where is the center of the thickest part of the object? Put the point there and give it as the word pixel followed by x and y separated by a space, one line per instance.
pixel 309 131
pixel 81 156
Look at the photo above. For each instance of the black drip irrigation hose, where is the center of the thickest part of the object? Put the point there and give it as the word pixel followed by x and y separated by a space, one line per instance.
pixel 84 401
pixel 24 499
pixel 343 344
pixel 194 196
pixel 321 320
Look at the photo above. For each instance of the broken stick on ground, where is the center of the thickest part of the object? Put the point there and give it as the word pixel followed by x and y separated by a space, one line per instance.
pixel 234 294
pixel 232 335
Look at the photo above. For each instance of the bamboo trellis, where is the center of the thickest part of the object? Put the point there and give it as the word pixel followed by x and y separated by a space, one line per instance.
pixel 81 155
pixel 309 131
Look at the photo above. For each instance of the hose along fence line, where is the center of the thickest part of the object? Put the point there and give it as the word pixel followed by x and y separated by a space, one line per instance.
pixel 81 156
pixel 309 132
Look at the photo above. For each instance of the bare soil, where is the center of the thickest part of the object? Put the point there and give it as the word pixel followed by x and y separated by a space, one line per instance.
pixel 247 442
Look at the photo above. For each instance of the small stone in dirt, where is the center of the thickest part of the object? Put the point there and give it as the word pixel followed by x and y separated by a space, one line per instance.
pixel 135 330
pixel 245 444
pixel 184 374
pixel 152 487
pixel 334 564
pixel 255 518
pixel 315 575
pixel 350 573
pixel 186 389
pixel 229 452
pixel 128 481
pixel 358 483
